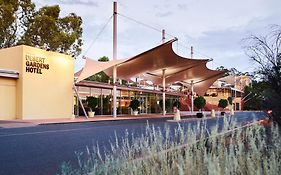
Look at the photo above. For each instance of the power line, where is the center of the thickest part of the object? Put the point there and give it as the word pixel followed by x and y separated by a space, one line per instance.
pixel 143 24
pixel 158 30
pixel 98 35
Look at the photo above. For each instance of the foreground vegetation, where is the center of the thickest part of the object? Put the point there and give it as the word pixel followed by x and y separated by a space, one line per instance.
pixel 250 149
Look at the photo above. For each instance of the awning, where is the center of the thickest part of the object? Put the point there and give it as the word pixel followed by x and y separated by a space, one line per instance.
pixel 149 65
pixel 92 67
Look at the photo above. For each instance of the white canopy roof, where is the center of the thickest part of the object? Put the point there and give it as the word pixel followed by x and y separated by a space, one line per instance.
pixel 92 67
pixel 149 65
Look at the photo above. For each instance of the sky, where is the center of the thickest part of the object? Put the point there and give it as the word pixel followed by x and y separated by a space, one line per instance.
pixel 215 29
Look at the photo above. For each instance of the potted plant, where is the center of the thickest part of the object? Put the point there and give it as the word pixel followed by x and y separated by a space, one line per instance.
pixel 230 101
pixel 92 103
pixel 223 104
pixel 176 107
pixel 199 103
pixel 134 104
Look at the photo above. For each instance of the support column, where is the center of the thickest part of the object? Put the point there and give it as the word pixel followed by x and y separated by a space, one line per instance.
pixel 164 91
pixel 75 90
pixel 192 97
pixel 163 80
pixel 234 93
pixel 114 58
pixel 192 91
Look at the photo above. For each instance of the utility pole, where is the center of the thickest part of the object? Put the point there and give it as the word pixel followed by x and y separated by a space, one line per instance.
pixel 163 79
pixel 114 58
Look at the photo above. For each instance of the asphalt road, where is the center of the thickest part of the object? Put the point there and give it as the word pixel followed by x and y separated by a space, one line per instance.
pixel 41 149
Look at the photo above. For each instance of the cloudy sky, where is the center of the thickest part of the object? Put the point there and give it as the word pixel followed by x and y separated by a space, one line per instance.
pixel 214 28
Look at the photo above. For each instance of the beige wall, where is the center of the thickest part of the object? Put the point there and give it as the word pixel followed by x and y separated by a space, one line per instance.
pixel 47 93
pixel 11 58
pixel 7 98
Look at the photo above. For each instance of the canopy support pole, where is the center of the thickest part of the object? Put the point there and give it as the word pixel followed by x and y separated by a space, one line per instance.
pixel 164 91
pixel 192 98
pixel 114 58
pixel 234 93
pixel 76 92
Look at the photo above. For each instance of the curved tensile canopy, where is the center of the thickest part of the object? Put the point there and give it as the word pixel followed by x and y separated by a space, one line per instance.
pixel 149 65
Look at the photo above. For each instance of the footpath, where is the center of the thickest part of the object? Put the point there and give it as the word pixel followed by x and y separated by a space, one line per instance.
pixel 186 115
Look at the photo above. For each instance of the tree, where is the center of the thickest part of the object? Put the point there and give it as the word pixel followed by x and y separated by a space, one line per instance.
pixel 254 95
pixel 101 76
pixel 22 24
pixel 266 52
pixel 103 59
pixel 14 19
pixel 232 71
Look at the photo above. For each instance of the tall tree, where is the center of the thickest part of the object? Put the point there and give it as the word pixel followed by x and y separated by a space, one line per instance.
pixel 103 59
pixel 266 52
pixel 254 95
pixel 22 24
pixel 15 16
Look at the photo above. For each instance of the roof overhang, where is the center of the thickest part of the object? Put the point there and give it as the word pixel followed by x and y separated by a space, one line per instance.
pixel 149 66
pixel 9 73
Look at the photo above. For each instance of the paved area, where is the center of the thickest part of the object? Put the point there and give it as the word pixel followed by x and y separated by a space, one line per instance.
pixel 186 115
pixel 29 123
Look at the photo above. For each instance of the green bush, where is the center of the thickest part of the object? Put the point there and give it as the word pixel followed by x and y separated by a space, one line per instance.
pixel 92 102
pixel 199 102
pixel 134 104
pixel 223 103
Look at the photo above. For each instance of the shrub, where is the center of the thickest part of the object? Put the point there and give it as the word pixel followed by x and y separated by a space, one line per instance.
pixel 92 102
pixel 245 150
pixel 199 102
pixel 223 103
pixel 134 104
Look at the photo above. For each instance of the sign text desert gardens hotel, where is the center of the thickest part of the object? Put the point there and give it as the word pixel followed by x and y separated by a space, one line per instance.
pixel 35 84
pixel 35 64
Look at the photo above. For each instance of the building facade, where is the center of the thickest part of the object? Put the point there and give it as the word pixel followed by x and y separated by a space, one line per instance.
pixel 35 84
pixel 229 86
pixel 150 100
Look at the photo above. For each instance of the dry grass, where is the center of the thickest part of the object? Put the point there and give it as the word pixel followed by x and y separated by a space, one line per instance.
pixel 252 149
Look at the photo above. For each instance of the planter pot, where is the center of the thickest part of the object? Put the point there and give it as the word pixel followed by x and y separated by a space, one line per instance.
pixel 231 111
pixel 199 115
pixel 91 114
pixel 177 116
pixel 222 113
pixel 135 112
pixel 213 114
